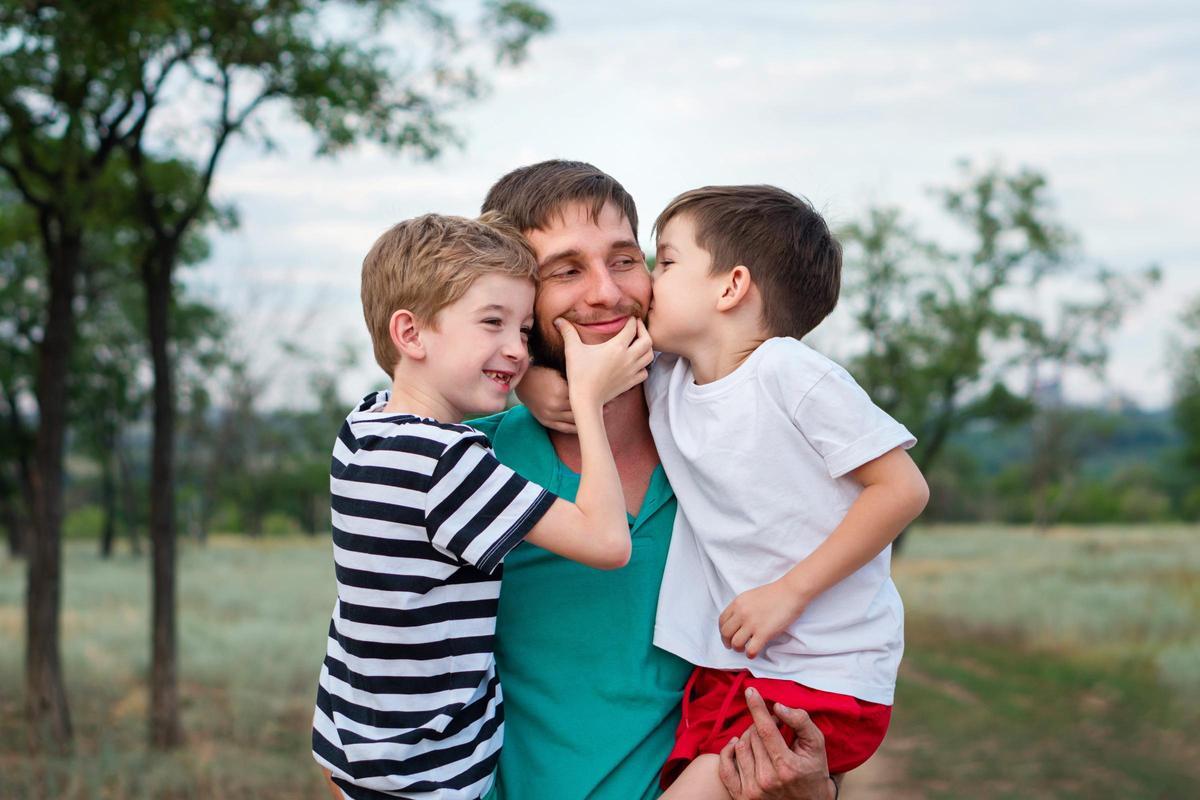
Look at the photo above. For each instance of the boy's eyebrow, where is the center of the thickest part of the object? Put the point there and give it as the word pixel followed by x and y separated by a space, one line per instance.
pixel 491 307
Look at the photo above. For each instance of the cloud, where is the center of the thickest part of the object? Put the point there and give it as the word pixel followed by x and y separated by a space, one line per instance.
pixel 842 101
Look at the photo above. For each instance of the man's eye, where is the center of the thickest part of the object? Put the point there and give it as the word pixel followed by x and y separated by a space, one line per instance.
pixel 624 263
pixel 566 272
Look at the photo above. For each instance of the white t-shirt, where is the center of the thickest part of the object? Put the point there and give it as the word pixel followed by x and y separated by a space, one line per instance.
pixel 759 461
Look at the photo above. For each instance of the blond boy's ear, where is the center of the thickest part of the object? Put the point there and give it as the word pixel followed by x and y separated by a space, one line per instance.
pixel 404 329
pixel 735 289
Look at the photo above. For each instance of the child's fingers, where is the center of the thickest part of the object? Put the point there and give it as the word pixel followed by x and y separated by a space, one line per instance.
pixel 739 639
pixel 643 352
pixel 753 647
pixel 643 335
pixel 626 334
pixel 567 331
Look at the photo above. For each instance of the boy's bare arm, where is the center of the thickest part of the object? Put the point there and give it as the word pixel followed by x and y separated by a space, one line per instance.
pixel 894 494
pixel 594 529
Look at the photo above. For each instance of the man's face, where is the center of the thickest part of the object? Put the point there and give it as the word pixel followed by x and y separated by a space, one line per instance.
pixel 593 274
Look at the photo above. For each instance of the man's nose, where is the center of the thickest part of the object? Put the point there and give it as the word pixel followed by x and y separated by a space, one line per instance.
pixel 602 290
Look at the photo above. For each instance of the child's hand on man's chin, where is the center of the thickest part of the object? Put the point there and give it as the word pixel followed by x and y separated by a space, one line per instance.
pixel 599 372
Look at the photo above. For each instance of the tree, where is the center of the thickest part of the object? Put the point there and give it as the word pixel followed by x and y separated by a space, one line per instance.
pixel 1186 405
pixel 21 298
pixel 80 81
pixel 947 330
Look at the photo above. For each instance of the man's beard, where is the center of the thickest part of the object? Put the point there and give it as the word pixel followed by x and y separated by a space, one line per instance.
pixel 546 344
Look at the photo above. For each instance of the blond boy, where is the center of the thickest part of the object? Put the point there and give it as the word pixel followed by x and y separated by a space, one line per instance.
pixel 408 701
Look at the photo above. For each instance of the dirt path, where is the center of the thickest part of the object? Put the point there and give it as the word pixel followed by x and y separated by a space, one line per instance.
pixel 882 777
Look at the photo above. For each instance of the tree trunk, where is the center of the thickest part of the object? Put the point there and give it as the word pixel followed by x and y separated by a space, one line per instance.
pixel 128 492
pixel 108 499
pixel 45 696
pixel 165 729
pixel 16 489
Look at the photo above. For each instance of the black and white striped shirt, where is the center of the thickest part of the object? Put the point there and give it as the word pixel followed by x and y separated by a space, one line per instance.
pixel 408 703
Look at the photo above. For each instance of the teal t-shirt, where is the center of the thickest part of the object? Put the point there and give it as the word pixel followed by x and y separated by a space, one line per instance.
pixel 590 705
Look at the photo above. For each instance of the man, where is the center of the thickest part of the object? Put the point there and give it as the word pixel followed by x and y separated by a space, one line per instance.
pixel 591 706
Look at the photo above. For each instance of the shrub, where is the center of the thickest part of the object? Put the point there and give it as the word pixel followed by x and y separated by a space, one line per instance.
pixel 85 522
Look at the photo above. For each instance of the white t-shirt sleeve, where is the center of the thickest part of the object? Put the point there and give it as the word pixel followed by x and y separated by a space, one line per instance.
pixel 844 426
pixel 477 509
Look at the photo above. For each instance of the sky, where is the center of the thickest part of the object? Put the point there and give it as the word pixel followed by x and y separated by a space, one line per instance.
pixel 850 104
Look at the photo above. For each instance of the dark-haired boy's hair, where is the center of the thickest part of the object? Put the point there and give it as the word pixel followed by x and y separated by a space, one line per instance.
pixel 793 258
pixel 530 197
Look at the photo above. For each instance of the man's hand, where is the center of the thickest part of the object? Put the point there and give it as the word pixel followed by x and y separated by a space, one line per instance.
pixel 544 393
pixel 760 766
pixel 757 616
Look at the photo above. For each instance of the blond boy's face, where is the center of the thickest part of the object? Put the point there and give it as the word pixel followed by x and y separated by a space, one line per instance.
pixel 477 347
pixel 685 294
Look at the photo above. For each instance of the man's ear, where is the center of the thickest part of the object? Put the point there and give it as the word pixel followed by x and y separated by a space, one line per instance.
pixel 736 287
pixel 404 329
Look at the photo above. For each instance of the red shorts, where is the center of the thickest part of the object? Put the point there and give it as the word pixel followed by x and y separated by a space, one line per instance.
pixel 714 711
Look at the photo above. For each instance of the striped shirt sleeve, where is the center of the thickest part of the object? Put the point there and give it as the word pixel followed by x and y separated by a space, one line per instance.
pixel 477 509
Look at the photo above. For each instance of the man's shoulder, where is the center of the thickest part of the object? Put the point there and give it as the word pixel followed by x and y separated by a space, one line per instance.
pixel 512 428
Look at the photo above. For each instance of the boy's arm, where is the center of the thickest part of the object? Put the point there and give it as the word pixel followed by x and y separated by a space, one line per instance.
pixel 544 393
pixel 594 529
pixel 894 494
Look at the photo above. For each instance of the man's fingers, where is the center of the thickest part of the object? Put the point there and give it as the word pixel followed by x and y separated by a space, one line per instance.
pixel 728 770
pixel 744 757
pixel 764 769
pixel 772 739
pixel 808 736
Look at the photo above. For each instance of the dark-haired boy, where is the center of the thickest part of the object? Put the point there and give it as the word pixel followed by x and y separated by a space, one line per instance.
pixel 791 484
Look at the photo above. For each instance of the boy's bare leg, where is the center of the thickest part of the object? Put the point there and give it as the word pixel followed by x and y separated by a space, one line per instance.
pixel 333 789
pixel 699 781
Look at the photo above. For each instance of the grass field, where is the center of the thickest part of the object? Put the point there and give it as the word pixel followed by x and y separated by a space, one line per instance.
pixel 1038 666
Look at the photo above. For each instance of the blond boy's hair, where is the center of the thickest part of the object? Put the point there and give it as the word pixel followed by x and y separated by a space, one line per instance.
pixel 426 263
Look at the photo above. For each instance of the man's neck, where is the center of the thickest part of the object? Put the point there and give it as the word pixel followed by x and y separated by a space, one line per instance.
pixel 627 423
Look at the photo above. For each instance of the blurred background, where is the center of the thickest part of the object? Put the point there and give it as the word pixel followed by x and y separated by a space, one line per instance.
pixel 186 194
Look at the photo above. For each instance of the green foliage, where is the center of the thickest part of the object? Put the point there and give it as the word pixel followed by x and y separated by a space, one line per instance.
pixel 1186 358
pixel 946 327
pixel 85 522
pixel 277 524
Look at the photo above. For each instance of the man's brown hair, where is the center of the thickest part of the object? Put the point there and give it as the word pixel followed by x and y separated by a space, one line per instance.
pixel 426 263
pixel 793 259
pixel 530 197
